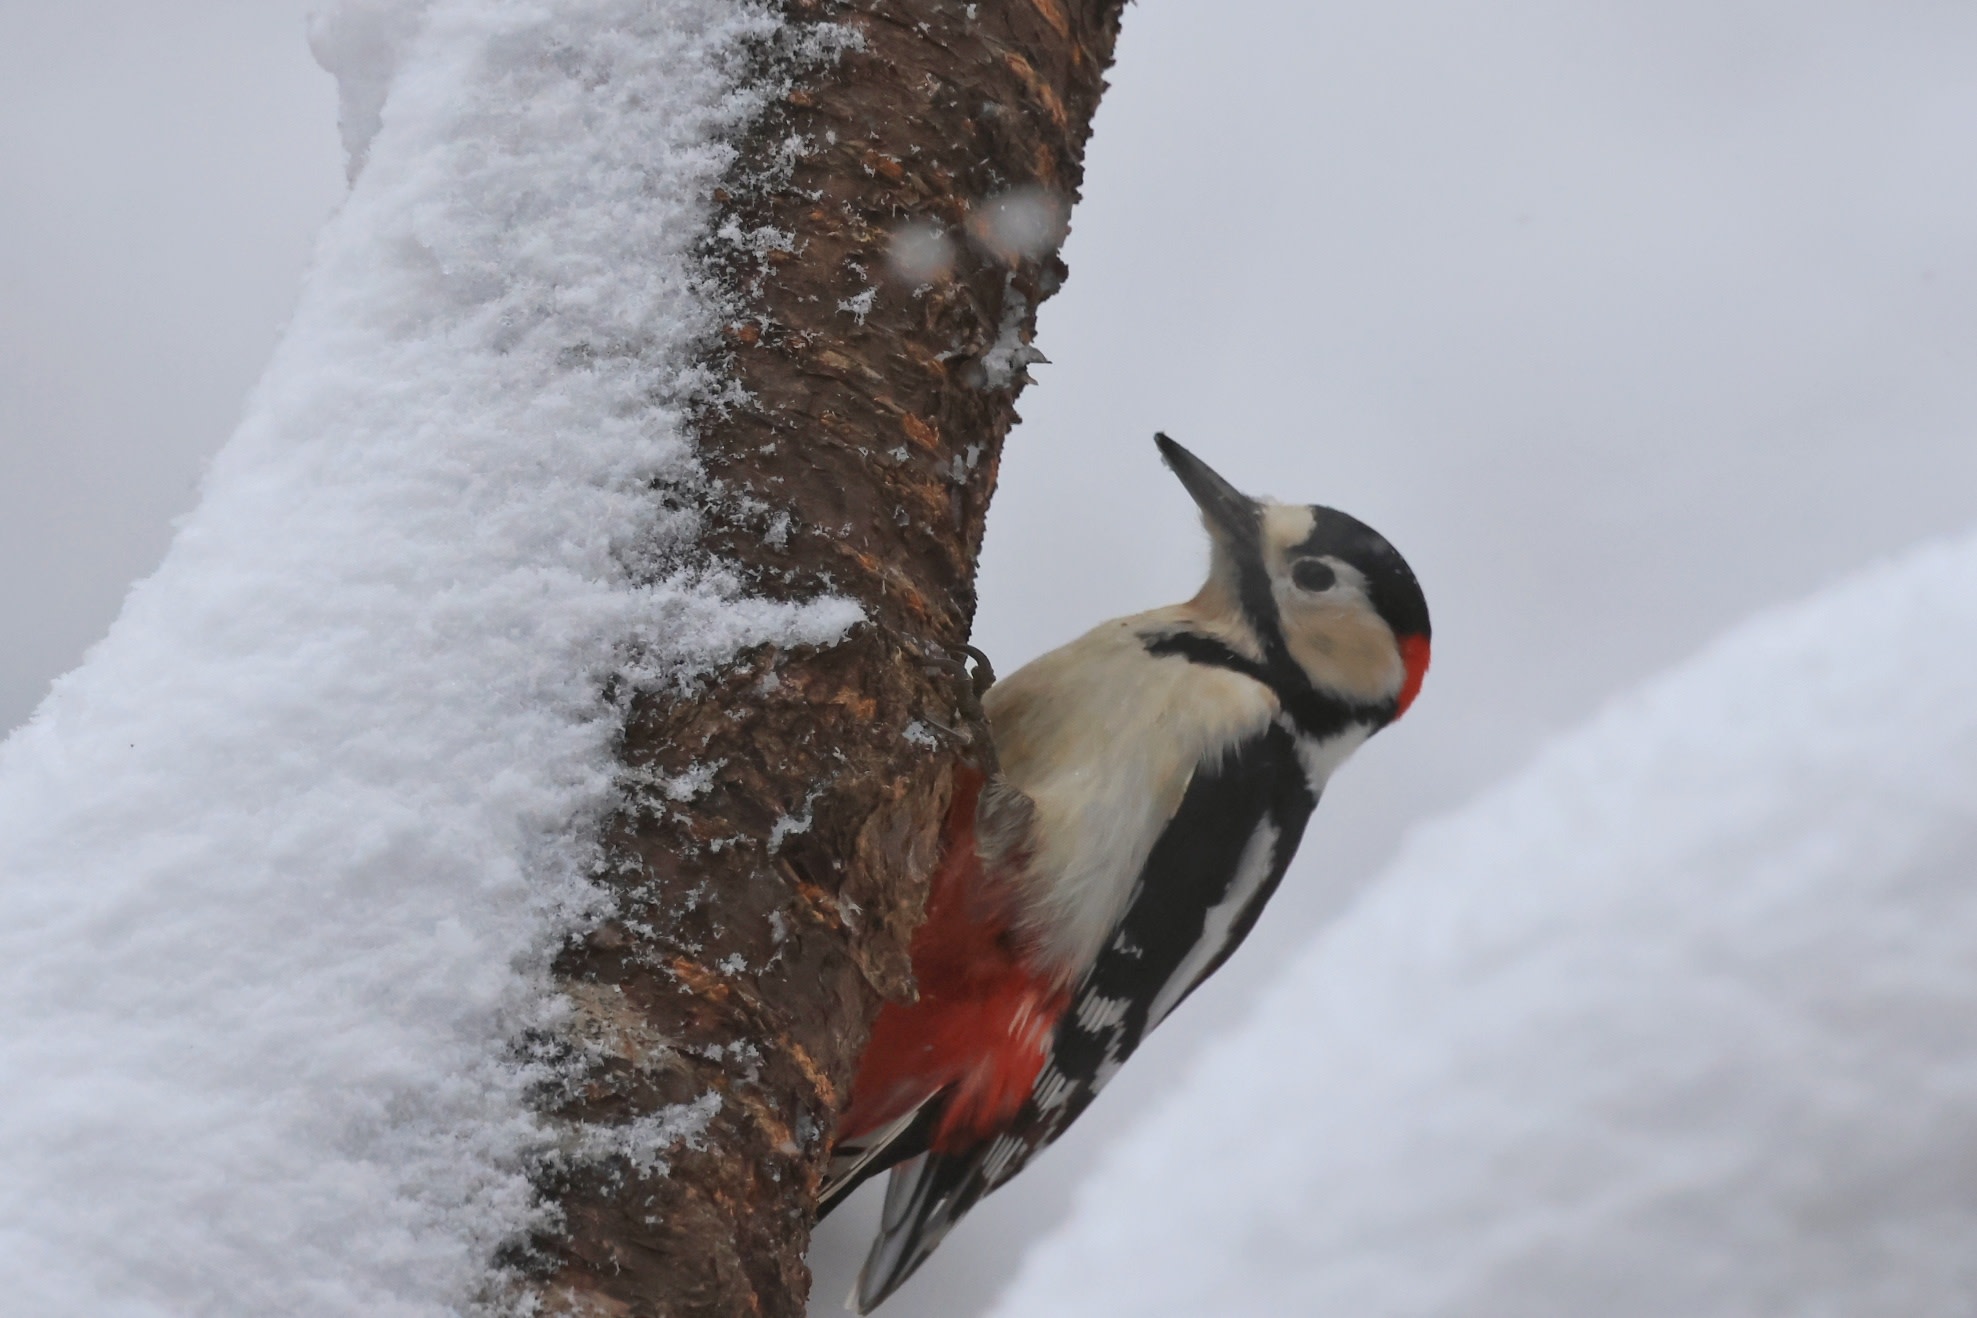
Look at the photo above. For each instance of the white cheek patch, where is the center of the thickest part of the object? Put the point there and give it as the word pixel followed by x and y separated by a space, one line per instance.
pixel 1336 635
pixel 1342 644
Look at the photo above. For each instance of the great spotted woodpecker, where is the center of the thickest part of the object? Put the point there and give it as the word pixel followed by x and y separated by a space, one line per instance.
pixel 1155 777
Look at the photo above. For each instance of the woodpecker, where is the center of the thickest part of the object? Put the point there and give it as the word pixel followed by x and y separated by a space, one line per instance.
pixel 1154 778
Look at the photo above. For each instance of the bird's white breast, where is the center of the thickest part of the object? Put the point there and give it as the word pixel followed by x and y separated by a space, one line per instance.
pixel 1104 739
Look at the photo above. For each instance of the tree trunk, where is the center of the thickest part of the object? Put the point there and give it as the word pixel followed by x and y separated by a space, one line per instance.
pixel 888 230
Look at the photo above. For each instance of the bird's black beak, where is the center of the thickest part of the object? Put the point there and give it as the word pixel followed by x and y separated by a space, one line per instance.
pixel 1228 510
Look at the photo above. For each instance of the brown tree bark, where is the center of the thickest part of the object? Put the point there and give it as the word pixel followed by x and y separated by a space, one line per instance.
pixel 764 916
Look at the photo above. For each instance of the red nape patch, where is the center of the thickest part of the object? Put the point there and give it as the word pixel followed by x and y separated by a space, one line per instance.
pixel 1414 654
pixel 983 1024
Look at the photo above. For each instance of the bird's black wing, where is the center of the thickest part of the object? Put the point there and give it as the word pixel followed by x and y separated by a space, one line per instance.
pixel 1204 885
pixel 1198 896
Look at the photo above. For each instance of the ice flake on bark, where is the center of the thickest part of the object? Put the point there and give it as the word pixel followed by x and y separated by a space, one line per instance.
pixel 859 306
pixel 1010 355
pixel 642 1145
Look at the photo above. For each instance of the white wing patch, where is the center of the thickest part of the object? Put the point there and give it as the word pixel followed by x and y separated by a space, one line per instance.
pixel 1096 1012
pixel 1053 1089
pixel 1258 861
pixel 1001 1154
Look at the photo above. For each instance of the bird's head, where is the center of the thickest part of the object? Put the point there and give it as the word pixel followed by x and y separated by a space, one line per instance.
pixel 1317 591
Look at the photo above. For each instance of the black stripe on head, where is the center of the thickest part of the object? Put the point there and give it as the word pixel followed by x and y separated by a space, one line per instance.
pixel 1316 713
pixel 1390 582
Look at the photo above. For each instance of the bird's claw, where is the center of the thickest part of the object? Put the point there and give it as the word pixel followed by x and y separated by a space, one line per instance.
pixel 983 676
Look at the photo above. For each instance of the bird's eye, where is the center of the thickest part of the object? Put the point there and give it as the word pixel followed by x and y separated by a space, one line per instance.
pixel 1313 574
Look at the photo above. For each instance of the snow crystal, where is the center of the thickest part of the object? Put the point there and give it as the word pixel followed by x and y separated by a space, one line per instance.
pixel 860 306
pixel 1679 1022
pixel 1009 355
pixel 792 824
pixel 283 863
pixel 680 787
pixel 643 1144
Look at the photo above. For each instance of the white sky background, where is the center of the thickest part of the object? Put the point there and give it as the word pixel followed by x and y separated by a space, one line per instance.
pixel 163 170
pixel 1620 321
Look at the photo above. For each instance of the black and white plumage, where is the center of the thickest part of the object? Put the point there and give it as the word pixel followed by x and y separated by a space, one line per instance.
pixel 1156 777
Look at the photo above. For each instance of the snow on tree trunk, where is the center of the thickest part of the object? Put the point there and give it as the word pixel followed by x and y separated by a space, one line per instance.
pixel 1681 1021
pixel 463 875
pixel 884 237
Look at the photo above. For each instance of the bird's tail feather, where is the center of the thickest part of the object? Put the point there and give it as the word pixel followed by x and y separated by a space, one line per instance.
pixel 854 1162
pixel 925 1197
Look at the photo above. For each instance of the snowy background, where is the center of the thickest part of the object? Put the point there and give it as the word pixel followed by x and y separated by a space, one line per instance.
pixel 1623 322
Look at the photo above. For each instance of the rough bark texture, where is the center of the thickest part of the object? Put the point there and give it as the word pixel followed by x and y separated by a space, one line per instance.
pixel 767 908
